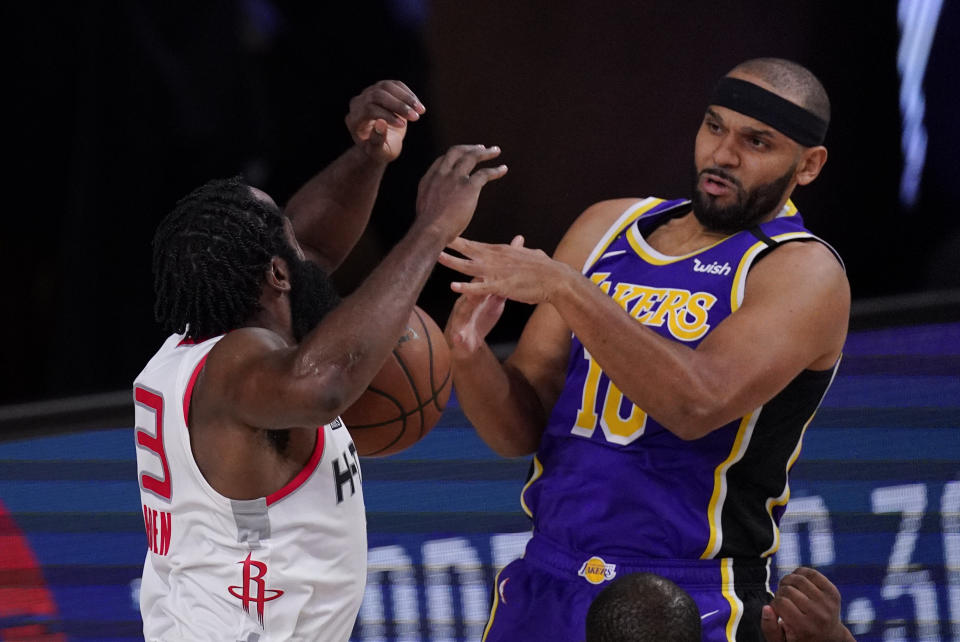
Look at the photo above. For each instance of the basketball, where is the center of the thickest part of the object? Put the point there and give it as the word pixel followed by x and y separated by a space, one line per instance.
pixel 406 398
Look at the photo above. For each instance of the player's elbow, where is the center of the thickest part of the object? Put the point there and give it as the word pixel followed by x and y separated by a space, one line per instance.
pixel 507 439
pixel 513 448
pixel 330 403
pixel 688 429
pixel 325 392
pixel 324 405
pixel 693 417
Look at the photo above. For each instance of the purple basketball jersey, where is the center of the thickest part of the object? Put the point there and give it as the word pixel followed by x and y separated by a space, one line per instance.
pixel 608 479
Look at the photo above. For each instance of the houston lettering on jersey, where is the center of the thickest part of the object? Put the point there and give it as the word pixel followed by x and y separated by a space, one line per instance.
pixel 684 312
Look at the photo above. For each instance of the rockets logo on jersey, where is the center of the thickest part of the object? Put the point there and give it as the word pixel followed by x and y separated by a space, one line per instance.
pixel 254 589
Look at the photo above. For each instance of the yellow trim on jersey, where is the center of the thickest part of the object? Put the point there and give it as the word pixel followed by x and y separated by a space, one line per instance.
pixel 640 246
pixel 715 507
pixel 643 249
pixel 537 471
pixel 740 277
pixel 496 601
pixel 789 209
pixel 629 215
pixel 736 606
pixel 784 496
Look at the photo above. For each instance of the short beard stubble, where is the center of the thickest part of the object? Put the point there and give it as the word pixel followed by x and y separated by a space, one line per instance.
pixel 749 209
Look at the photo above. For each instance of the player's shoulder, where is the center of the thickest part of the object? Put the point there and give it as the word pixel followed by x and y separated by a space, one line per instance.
pixel 238 347
pixel 589 227
pixel 253 338
pixel 229 365
pixel 808 258
pixel 807 265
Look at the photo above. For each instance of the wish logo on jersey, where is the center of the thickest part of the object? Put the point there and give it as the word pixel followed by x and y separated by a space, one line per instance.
pixel 711 268
pixel 254 589
pixel 684 312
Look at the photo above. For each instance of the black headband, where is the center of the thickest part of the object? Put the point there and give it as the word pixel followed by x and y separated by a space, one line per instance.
pixel 786 117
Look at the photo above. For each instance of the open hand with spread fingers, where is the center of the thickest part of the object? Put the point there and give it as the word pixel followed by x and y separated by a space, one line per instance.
pixel 448 192
pixel 473 316
pixel 510 271
pixel 378 118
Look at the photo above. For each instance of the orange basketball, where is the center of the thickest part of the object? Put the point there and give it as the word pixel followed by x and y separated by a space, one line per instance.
pixel 406 398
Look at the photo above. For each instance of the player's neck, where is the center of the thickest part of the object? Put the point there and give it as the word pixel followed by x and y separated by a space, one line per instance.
pixel 683 235
pixel 274 315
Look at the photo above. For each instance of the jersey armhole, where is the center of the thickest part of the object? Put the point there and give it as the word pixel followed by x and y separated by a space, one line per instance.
pixel 188 393
pixel 629 215
pixel 802 239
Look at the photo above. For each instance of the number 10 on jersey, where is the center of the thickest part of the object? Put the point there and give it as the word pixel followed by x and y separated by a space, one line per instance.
pixel 616 428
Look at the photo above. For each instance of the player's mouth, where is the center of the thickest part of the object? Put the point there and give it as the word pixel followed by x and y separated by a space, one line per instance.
pixel 715 185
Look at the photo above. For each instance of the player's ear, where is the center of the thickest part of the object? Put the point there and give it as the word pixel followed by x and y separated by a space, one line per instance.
pixel 278 275
pixel 811 163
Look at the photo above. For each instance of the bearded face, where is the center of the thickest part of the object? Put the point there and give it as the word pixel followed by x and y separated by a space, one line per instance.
pixel 312 296
pixel 748 208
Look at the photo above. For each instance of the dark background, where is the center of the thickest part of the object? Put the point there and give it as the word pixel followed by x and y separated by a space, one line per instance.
pixel 116 109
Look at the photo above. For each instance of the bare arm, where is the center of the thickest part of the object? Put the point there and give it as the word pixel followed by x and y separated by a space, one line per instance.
pixel 254 376
pixel 509 403
pixel 794 316
pixel 330 211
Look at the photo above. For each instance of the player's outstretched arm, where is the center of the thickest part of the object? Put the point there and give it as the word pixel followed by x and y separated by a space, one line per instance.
pixel 794 317
pixel 509 403
pixel 806 608
pixel 330 211
pixel 508 411
pixel 260 381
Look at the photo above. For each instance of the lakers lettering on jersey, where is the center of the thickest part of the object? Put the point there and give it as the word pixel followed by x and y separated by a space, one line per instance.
pixel 683 312
pixel 291 565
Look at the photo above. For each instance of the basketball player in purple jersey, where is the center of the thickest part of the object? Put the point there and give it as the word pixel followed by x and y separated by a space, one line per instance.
pixel 677 353
pixel 249 482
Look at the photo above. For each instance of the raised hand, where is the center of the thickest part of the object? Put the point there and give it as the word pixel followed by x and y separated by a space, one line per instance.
pixel 448 192
pixel 806 608
pixel 378 118
pixel 511 271
pixel 473 316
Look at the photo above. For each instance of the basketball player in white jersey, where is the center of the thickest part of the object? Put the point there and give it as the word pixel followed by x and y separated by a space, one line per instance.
pixel 249 483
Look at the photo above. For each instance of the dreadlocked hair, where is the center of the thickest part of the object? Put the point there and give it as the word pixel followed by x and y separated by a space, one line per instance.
pixel 210 255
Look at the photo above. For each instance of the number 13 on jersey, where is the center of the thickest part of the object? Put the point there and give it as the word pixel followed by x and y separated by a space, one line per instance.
pixel 153 442
pixel 616 428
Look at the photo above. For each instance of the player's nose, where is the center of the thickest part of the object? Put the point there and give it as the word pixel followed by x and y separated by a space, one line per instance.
pixel 725 153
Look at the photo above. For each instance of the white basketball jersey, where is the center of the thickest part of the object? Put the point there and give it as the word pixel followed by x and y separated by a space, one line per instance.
pixel 289 566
